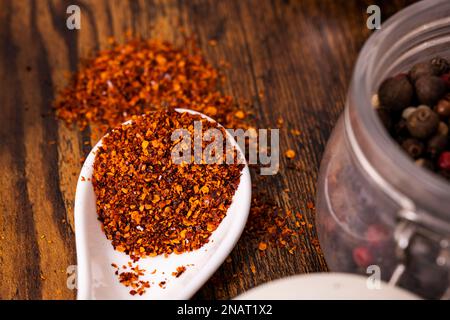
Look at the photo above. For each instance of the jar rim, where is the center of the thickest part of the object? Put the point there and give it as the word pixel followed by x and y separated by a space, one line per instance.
pixel 361 91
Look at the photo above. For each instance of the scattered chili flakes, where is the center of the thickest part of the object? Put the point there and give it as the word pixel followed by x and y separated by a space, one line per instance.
pixel 137 200
pixel 179 272
pixel 290 154
pixel 143 75
pixel 262 246
pixel 162 284
pixel 131 278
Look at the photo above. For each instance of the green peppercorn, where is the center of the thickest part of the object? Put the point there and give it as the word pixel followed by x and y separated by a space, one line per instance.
pixel 425 163
pixel 429 89
pixel 436 145
pixel 413 147
pixel 423 123
pixel 396 93
pixel 421 69
pixel 440 65
pixel 385 117
pixel 443 107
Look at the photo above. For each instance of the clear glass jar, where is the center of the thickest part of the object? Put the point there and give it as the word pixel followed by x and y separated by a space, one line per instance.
pixel 374 205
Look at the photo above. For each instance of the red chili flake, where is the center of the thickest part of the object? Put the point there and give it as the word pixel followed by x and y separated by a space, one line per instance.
pixel 131 278
pixel 262 246
pixel 179 272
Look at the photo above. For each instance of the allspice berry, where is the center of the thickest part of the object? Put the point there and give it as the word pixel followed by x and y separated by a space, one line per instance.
pixel 430 89
pixel 413 147
pixel 423 123
pixel 421 69
pixel 396 93
pixel 440 65
pixel 436 145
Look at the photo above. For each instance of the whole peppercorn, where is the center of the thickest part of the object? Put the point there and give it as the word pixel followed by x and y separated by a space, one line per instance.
pixel 429 89
pixel 385 117
pixel 425 163
pixel 407 112
pixel 444 161
pixel 442 129
pixel 443 107
pixel 440 65
pixel 422 123
pixel 396 93
pixel 362 256
pixel 436 145
pixel 401 129
pixel 413 147
pixel 446 79
pixel 421 69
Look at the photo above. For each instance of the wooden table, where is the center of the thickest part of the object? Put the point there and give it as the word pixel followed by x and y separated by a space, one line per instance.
pixel 299 53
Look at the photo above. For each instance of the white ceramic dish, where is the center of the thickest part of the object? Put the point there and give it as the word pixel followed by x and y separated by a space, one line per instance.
pixel 325 286
pixel 95 275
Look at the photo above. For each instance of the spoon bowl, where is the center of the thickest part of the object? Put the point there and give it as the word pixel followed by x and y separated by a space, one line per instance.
pixel 96 278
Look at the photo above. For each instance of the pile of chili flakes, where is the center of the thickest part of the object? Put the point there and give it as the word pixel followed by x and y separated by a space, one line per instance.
pixel 141 75
pixel 149 205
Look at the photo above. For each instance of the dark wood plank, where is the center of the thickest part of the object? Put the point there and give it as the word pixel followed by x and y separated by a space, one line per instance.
pixel 299 54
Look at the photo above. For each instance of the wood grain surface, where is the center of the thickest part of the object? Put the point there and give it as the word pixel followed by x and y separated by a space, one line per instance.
pixel 299 53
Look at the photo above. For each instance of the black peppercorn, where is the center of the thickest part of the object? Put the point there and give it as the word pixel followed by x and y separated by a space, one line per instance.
pixel 443 107
pixel 429 89
pixel 385 117
pixel 401 129
pixel 440 65
pixel 436 145
pixel 413 147
pixel 421 69
pixel 396 93
pixel 423 123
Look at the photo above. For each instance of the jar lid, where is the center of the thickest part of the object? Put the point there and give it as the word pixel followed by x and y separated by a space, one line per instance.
pixel 326 286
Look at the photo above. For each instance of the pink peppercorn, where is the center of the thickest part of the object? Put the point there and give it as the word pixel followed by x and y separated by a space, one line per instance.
pixel 362 256
pixel 444 160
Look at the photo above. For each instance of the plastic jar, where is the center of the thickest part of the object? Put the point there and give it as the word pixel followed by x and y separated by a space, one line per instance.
pixel 375 207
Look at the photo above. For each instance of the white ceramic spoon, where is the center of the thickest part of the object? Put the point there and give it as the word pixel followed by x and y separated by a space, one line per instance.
pixel 95 254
